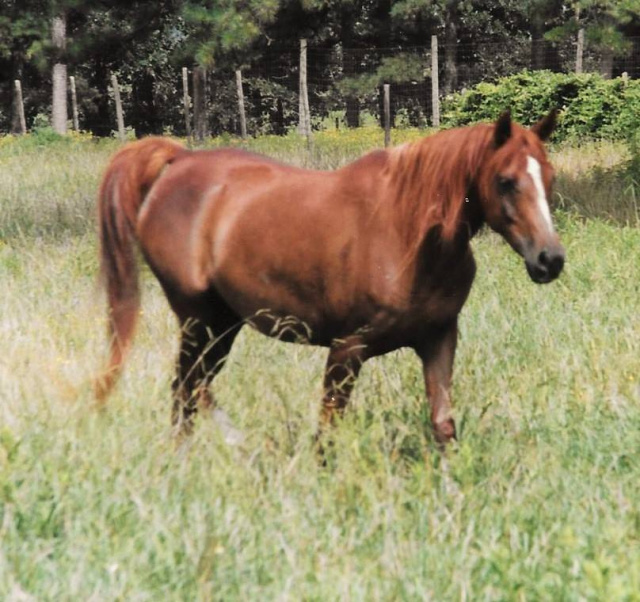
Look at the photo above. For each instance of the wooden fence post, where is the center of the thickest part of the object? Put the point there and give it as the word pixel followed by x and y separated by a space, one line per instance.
pixel 387 115
pixel 435 87
pixel 304 123
pixel 199 104
pixel 20 106
pixel 580 50
pixel 243 117
pixel 301 64
pixel 118 101
pixel 74 103
pixel 185 101
pixel 59 77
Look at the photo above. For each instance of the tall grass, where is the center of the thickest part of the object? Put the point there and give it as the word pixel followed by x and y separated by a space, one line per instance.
pixel 538 501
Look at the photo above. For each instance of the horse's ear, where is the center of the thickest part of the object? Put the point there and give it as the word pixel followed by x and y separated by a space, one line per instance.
pixel 544 128
pixel 502 131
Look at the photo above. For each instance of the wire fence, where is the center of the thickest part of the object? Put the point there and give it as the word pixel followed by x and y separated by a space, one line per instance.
pixel 344 86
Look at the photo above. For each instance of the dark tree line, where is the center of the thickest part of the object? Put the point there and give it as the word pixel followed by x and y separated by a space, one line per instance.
pixel 355 47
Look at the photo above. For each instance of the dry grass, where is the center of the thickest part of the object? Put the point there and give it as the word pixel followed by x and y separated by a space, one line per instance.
pixel 580 159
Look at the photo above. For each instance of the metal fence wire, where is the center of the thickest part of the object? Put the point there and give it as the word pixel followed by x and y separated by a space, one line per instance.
pixel 344 86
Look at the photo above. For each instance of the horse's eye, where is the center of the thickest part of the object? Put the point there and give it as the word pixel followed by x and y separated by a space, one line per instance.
pixel 506 185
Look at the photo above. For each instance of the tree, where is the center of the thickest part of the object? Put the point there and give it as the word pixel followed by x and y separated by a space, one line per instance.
pixel 219 32
pixel 354 47
pixel 59 77
pixel 21 29
pixel 443 18
pixel 606 19
pixel 603 22
pixel 542 15
pixel 137 40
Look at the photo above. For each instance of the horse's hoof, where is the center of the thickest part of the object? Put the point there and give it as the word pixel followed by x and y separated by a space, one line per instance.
pixel 444 433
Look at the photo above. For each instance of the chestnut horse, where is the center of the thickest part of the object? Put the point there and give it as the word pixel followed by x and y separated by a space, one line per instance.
pixel 363 260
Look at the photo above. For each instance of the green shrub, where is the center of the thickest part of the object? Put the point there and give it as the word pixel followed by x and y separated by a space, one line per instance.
pixel 592 107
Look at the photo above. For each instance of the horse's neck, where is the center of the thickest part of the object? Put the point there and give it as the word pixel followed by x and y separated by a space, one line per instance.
pixel 472 215
pixel 434 184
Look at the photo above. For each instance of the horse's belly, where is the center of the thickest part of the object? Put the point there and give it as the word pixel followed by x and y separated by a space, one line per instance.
pixel 290 310
pixel 290 328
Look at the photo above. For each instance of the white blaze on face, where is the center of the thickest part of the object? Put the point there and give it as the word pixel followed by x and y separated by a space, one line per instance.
pixel 535 171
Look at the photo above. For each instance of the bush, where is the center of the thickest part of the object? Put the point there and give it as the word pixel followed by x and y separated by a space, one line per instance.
pixel 592 107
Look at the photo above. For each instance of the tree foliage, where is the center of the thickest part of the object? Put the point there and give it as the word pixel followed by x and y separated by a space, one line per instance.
pixel 224 29
pixel 355 47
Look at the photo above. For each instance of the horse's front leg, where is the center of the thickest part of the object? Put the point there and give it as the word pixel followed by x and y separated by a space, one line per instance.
pixel 341 372
pixel 437 354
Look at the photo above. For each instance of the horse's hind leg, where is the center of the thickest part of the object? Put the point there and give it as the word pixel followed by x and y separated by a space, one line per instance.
pixel 204 347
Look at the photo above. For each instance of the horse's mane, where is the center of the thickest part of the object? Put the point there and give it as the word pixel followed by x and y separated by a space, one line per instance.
pixel 430 179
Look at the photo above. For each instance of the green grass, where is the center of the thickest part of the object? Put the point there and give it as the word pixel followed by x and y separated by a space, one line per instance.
pixel 537 502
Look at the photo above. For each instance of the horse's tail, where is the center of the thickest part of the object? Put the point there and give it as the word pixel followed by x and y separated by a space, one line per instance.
pixel 129 177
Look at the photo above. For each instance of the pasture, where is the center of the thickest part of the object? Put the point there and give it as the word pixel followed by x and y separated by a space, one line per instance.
pixel 538 500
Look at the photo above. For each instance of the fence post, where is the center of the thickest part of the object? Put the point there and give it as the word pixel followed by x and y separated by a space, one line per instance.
pixel 59 108
pixel 302 72
pixel 20 107
pixel 116 97
pixel 243 117
pixel 74 103
pixel 185 101
pixel 435 87
pixel 580 50
pixel 59 77
pixel 304 123
pixel 199 103
pixel 387 115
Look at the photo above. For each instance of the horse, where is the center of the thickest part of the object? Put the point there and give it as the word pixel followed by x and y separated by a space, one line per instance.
pixel 364 260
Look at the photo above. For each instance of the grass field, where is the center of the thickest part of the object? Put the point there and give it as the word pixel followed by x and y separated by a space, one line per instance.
pixel 538 501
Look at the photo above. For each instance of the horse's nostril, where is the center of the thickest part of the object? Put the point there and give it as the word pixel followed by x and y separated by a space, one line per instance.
pixel 552 263
pixel 557 263
pixel 547 265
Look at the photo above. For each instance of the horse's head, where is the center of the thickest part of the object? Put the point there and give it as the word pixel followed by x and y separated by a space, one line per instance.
pixel 514 187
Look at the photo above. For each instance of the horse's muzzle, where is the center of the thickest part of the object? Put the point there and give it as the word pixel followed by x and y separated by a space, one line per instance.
pixel 546 265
